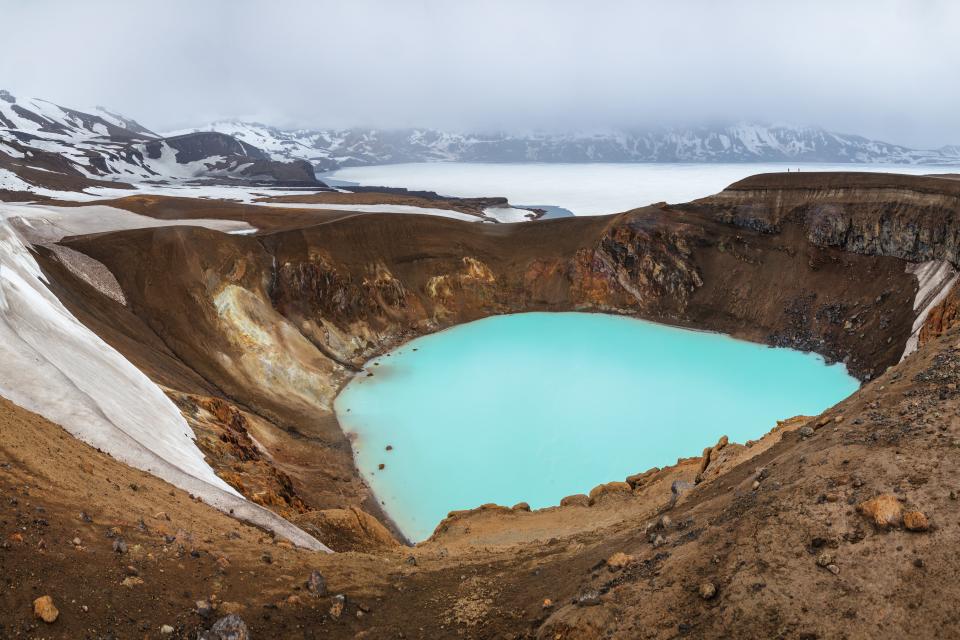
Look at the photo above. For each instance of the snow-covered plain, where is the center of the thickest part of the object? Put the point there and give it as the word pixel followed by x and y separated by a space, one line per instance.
pixel 586 189
pixel 55 366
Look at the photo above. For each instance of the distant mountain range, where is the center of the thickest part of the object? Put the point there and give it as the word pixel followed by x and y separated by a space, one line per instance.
pixel 329 149
pixel 47 146
pixel 44 146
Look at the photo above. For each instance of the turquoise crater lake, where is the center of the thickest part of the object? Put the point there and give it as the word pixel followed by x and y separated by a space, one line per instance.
pixel 537 406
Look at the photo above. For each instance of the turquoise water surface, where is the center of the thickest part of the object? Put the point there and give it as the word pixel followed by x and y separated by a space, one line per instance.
pixel 533 407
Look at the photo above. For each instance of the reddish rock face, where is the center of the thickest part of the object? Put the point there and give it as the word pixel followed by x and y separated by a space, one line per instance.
pixel 942 317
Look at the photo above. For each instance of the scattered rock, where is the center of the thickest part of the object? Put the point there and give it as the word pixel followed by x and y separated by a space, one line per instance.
pixel 44 609
pixel 166 630
pixel 578 499
pixel 204 608
pixel 640 479
pixel 710 454
pixel 708 590
pixel 609 488
pixel 230 627
pixel 230 607
pixel 547 603
pixel 132 581
pixel 659 541
pixel 824 560
pixel 884 510
pixel 119 546
pixel 337 604
pixel 805 432
pixel 619 560
pixel 678 488
pixel 77 542
pixel 916 521
pixel 317 584
pixel 587 598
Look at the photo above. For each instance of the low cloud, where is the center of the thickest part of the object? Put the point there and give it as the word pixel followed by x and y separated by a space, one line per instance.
pixel 882 68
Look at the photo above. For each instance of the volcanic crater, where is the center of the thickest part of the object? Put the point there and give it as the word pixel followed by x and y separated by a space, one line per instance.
pixel 252 336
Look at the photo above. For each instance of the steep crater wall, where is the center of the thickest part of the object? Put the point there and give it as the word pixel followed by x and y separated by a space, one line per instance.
pixel 275 324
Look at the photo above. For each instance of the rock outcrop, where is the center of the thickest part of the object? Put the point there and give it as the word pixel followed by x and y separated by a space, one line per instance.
pixel 910 217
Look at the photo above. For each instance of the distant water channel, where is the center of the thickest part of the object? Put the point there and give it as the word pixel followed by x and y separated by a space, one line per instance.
pixel 533 407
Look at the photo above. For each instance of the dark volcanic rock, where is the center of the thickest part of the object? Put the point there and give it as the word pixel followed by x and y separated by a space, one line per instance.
pixel 916 218
pixel 230 627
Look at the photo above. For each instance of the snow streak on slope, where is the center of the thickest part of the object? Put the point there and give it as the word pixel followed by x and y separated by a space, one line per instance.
pixel 935 279
pixel 55 366
pixel 50 224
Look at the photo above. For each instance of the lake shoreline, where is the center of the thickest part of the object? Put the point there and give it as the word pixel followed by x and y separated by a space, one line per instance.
pixel 367 446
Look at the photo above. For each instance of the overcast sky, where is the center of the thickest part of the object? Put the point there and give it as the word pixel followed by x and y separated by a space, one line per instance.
pixel 883 68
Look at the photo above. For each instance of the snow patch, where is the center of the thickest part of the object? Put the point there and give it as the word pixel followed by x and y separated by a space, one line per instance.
pixel 55 366
pixel 509 214
pixel 51 224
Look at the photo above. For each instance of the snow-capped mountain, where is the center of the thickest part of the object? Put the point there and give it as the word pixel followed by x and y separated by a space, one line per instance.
pixel 328 148
pixel 47 146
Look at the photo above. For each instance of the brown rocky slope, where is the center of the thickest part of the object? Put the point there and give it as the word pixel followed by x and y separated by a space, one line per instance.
pixel 771 535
